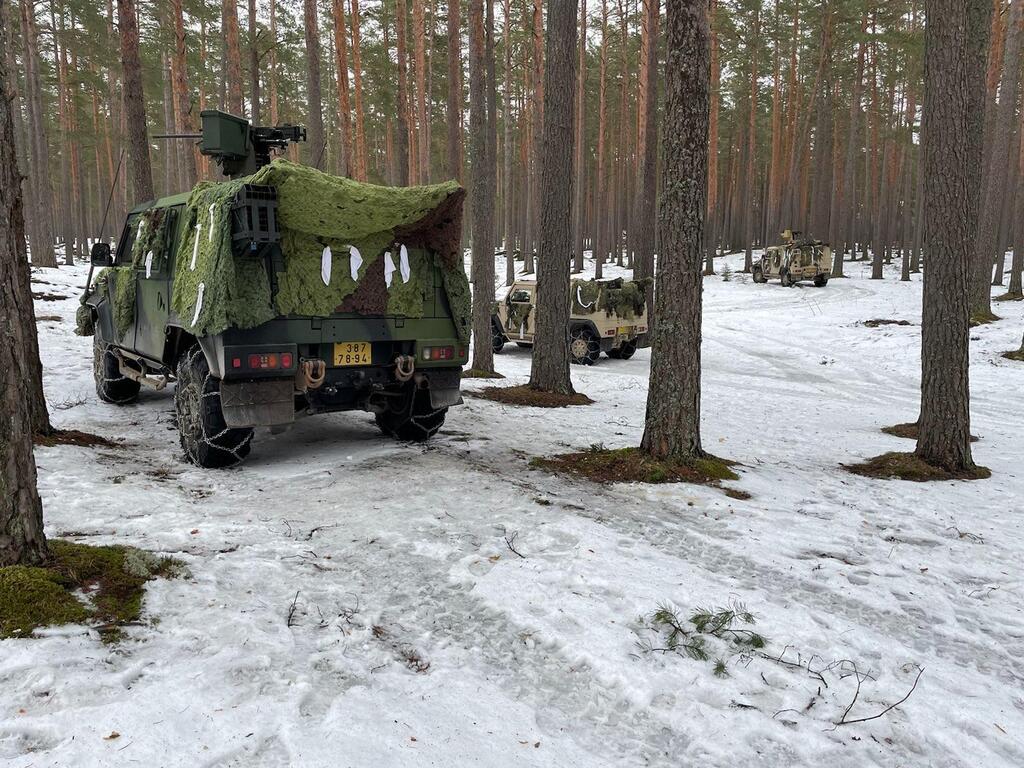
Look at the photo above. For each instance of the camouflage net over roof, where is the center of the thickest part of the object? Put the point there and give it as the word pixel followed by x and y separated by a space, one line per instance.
pixel 624 298
pixel 315 212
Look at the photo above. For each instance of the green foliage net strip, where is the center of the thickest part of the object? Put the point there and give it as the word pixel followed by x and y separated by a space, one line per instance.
pixel 214 290
pixel 153 235
pixel 624 298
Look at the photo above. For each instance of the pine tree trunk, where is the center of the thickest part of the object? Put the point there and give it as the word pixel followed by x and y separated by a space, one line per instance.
pixel 455 89
pixel 136 133
pixel 341 68
pixel 823 142
pixel 713 233
pixel 853 143
pixel 550 370
pixel 233 57
pixel 21 514
pixel 182 106
pixel 647 178
pixel 42 251
pixel 672 423
pixel 601 242
pixel 402 137
pixel 254 65
pixel 1002 156
pixel 507 152
pixel 955 33
pixel 580 170
pixel 275 109
pixel 420 67
pixel 482 191
pixel 492 119
pixel 1017 265
pixel 748 187
pixel 357 69
pixel 315 119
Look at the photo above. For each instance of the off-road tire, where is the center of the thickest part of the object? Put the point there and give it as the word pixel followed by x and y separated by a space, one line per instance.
pixel 498 338
pixel 584 347
pixel 414 420
pixel 111 385
pixel 758 275
pixel 786 280
pixel 821 281
pixel 207 440
pixel 624 351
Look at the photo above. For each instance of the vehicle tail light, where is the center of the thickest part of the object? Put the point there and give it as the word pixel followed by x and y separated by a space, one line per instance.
pixel 265 362
pixel 439 353
pixel 236 362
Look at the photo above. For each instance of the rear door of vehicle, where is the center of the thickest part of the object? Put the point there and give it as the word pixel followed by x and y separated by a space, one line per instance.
pixel 154 295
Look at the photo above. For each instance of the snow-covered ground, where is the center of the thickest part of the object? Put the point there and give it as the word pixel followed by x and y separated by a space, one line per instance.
pixel 418 637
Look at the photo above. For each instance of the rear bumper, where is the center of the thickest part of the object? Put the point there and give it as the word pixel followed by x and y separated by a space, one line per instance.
pixel 275 402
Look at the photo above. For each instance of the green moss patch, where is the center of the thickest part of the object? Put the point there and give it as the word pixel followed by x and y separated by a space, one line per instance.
pixel 1009 297
pixel 631 465
pixel 910 431
pixel 983 318
pixel 476 373
pixel 111 581
pixel 1017 354
pixel 909 466
pixel 528 396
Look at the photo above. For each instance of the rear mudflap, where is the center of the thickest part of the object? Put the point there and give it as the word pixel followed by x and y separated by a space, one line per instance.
pixel 266 403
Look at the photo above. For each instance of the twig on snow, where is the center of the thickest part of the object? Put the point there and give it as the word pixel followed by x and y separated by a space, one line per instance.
pixel 291 610
pixel 890 708
pixel 511 542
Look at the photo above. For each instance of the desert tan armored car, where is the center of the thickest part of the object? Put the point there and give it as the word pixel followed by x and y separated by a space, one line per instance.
pixel 795 260
pixel 607 316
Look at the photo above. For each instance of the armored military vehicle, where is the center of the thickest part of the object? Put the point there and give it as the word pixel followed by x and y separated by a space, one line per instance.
pixel 797 259
pixel 607 316
pixel 283 291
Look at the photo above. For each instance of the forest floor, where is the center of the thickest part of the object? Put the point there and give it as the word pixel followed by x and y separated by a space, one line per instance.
pixel 359 602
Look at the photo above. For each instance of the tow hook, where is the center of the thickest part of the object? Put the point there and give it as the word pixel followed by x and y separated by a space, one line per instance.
pixel 311 375
pixel 405 367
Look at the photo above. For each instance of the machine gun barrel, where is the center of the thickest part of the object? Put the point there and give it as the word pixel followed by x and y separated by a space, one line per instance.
pixel 178 136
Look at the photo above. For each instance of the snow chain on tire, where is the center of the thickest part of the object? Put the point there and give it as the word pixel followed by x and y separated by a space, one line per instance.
pixel 417 422
pixel 205 437
pixel 112 386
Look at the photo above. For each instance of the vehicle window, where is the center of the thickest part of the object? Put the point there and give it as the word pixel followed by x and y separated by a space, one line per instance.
pixel 123 255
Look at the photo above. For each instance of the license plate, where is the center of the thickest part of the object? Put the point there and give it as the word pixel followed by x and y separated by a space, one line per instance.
pixel 624 330
pixel 352 353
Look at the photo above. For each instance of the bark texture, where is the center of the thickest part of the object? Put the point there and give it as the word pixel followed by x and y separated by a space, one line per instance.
pixel 140 171
pixel 317 139
pixel 672 423
pixel 550 370
pixel 454 90
pixel 954 80
pixel 21 513
pixel 482 190
pixel 1002 158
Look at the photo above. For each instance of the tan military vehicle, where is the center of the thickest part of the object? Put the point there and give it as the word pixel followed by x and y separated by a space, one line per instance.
pixel 797 259
pixel 607 316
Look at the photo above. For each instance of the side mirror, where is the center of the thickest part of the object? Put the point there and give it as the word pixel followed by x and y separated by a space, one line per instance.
pixel 100 255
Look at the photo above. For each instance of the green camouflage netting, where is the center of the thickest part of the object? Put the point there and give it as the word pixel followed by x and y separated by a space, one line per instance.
pixel 85 323
pixel 625 298
pixel 585 294
pixel 153 237
pixel 120 281
pixel 215 290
